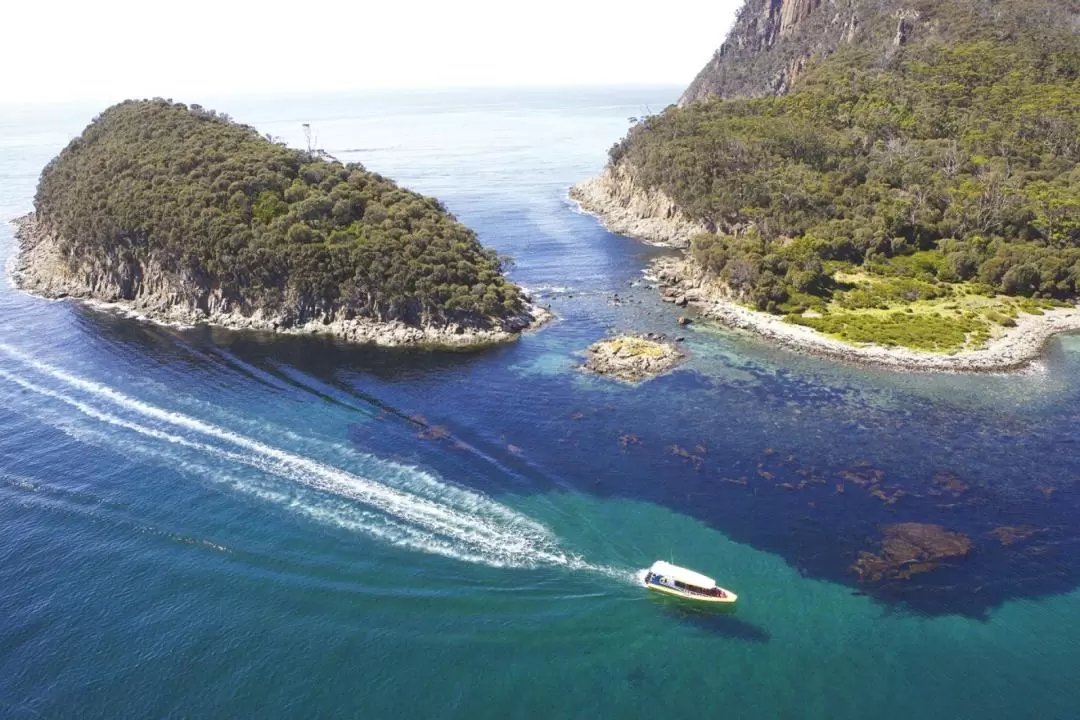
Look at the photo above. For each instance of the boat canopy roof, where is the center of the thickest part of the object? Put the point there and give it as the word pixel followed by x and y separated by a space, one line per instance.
pixel 681 574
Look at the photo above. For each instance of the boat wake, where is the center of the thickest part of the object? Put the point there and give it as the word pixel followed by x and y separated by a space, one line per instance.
pixel 391 502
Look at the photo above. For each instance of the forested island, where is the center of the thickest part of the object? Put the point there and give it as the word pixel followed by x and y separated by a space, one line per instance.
pixel 180 214
pixel 904 174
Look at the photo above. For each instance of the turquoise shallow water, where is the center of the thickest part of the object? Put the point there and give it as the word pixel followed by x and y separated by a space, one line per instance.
pixel 202 523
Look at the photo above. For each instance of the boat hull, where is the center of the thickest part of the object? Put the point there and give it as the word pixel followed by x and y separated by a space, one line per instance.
pixel 728 599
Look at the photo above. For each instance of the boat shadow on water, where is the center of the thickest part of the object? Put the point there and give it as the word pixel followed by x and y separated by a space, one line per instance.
pixel 716 619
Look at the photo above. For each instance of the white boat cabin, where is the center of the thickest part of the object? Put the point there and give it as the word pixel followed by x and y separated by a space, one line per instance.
pixel 683 581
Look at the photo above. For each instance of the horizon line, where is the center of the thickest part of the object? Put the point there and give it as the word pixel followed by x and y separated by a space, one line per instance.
pixel 274 94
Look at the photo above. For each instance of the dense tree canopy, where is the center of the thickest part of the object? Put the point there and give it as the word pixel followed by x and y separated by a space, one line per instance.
pixel 960 152
pixel 264 224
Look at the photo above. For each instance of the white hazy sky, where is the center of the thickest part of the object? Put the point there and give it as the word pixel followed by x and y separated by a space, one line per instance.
pixel 105 50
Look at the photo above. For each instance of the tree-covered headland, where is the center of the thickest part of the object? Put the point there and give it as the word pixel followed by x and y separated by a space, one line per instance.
pixel 263 225
pixel 923 177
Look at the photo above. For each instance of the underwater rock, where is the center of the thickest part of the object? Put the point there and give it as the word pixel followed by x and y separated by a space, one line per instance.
pixel 433 432
pixel 863 475
pixel 908 549
pixel 885 497
pixel 685 454
pixel 949 482
pixel 1009 535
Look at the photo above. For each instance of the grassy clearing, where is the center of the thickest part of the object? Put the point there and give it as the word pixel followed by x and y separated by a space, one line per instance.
pixel 630 346
pixel 914 313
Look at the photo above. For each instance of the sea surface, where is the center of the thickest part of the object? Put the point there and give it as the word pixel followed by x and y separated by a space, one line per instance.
pixel 202 523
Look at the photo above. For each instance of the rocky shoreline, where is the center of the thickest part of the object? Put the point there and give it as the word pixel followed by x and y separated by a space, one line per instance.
pixel 1013 349
pixel 39 269
pixel 632 358
pixel 618 203
pixel 623 208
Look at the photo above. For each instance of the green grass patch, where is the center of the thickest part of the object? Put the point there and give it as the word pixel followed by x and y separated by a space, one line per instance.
pixel 933 332
pixel 929 265
pixel 884 293
pixel 634 346
pixel 901 311
pixel 799 303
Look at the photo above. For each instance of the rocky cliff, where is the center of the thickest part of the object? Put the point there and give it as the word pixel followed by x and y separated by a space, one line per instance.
pixel 616 197
pixel 773 41
pixel 770 44
pixel 152 288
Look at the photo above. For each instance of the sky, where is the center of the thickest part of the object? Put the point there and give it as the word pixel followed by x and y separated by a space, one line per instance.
pixel 109 50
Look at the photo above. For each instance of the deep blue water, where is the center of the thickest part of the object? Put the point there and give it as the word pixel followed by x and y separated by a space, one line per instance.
pixel 205 523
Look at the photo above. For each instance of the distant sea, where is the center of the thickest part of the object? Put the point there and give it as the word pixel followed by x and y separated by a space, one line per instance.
pixel 200 523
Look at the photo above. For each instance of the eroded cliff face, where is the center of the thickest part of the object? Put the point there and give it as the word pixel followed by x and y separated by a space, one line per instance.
pixel 43 269
pixel 772 42
pixel 792 13
pixel 157 290
pixel 625 207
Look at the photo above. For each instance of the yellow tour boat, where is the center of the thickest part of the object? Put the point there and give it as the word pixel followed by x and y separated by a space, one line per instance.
pixel 671 579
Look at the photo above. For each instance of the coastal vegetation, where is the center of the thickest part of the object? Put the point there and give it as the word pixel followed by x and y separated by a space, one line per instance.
pixel 915 313
pixel 211 206
pixel 916 197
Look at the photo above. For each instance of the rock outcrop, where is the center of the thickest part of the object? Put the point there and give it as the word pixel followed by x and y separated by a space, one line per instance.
pixel 632 358
pixel 773 41
pixel 794 12
pixel 770 45
pixel 626 208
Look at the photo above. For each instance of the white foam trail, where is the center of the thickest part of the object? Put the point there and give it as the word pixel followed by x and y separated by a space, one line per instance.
pixel 427 515
pixel 330 510
pixel 427 527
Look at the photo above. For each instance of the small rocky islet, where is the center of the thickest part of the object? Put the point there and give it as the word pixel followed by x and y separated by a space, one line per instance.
pixel 632 358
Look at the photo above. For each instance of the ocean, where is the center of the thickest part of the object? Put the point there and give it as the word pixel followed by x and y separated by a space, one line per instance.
pixel 204 523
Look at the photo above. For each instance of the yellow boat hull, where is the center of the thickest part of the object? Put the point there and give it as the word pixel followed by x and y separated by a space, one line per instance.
pixel 729 597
